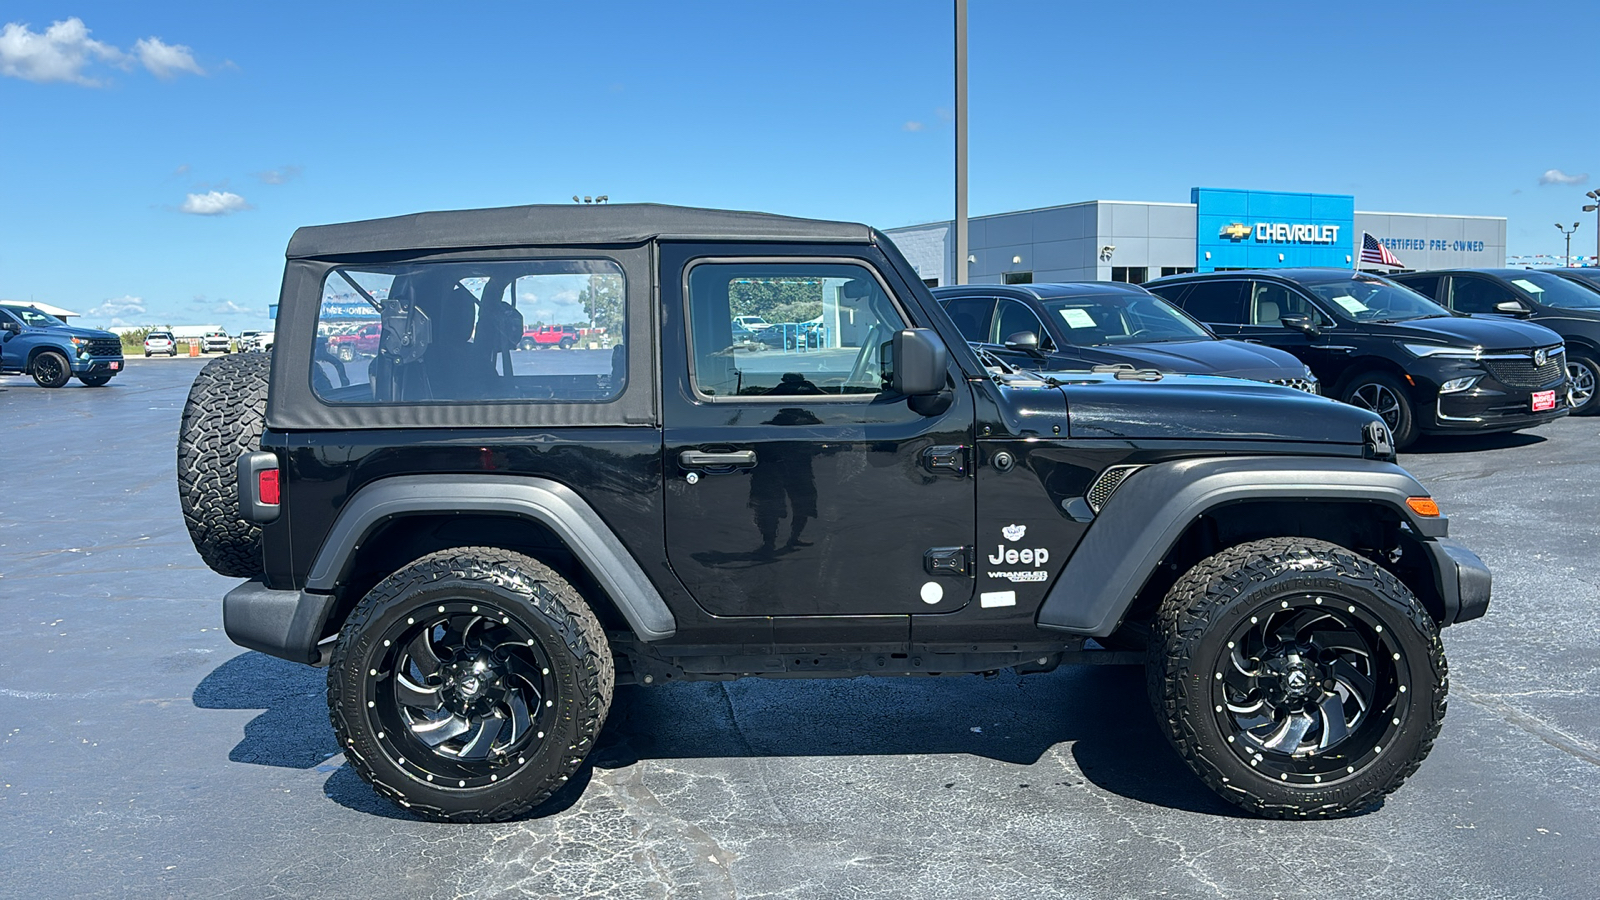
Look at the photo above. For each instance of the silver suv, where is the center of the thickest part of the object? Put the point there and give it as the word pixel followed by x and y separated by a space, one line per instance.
pixel 160 342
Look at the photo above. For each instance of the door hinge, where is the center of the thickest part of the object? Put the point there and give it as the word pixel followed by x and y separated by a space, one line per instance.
pixel 945 458
pixel 946 560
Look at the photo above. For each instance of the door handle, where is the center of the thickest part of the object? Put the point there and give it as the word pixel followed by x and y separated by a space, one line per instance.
pixel 699 458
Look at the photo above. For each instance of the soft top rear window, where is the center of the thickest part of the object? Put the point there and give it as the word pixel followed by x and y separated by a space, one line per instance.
pixel 463 332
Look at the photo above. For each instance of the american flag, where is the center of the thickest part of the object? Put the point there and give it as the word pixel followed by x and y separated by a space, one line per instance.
pixel 1376 253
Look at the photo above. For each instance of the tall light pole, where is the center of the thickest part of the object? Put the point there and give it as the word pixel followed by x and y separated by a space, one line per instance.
pixel 1568 233
pixel 1595 208
pixel 961 141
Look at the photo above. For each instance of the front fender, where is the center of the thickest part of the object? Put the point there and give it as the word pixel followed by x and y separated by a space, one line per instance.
pixel 1148 513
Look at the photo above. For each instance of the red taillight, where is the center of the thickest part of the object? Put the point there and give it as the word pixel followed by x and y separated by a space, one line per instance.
pixel 267 486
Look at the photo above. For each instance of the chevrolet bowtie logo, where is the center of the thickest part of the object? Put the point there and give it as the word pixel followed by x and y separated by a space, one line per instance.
pixel 1234 232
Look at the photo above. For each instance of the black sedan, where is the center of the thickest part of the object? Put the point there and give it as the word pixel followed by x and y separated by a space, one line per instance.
pixel 1082 325
pixel 1564 303
pixel 1385 347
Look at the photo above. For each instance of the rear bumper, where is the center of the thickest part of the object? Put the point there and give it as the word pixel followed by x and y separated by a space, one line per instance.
pixel 1462 579
pixel 285 624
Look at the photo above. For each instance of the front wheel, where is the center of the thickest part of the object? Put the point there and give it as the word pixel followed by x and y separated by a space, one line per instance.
pixel 1298 679
pixel 470 685
pixel 1386 396
pixel 95 380
pixel 51 369
pixel 1583 375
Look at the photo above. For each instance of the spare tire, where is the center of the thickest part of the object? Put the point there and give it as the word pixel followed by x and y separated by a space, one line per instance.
pixel 222 419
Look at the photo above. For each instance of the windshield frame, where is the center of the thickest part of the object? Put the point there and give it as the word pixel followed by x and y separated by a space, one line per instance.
pixel 1428 308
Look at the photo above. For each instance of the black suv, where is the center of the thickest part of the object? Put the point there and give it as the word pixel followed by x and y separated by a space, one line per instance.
pixel 1386 348
pixel 1083 325
pixel 480 550
pixel 1570 309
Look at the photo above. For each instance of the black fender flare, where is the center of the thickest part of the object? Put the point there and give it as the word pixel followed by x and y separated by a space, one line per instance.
pixel 550 503
pixel 1152 508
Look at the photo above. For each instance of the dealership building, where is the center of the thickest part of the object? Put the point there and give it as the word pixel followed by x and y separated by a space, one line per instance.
pixel 1217 230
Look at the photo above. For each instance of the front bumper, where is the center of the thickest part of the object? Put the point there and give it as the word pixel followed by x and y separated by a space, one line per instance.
pixel 97 365
pixel 1492 407
pixel 285 624
pixel 1463 581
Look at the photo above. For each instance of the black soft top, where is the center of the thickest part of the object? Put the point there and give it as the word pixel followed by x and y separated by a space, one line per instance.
pixel 555 224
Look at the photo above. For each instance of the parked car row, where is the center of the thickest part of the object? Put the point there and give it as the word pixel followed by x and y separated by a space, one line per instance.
pixel 1451 358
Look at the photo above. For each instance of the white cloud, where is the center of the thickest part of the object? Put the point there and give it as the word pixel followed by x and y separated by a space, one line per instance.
pixel 114 307
pixel 230 308
pixel 61 53
pixel 279 175
pixel 166 61
pixel 911 126
pixel 213 203
pixel 64 51
pixel 1556 176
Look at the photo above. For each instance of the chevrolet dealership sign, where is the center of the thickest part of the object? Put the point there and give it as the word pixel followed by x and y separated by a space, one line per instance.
pixel 1281 233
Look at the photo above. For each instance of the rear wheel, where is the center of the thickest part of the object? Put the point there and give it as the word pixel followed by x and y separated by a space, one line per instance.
pixel 470 685
pixel 1583 375
pixel 1297 678
pixel 1386 396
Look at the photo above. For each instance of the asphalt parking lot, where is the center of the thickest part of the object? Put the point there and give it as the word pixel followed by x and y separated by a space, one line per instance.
pixel 142 754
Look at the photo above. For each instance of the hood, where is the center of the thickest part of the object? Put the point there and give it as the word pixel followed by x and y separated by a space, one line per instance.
pixel 1488 332
pixel 70 331
pixel 1237 359
pixel 1207 408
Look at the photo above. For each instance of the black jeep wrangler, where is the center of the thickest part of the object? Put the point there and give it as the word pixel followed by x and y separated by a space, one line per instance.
pixel 480 542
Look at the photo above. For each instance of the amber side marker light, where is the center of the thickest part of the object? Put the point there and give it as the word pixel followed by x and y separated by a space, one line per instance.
pixel 1423 506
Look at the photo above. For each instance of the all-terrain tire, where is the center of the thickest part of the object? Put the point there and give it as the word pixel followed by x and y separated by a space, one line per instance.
pixel 1189 654
pixel 379 733
pixel 222 419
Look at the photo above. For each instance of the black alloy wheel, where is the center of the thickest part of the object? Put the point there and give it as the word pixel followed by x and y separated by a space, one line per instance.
pixel 51 369
pixel 1296 678
pixel 1384 395
pixel 1583 374
pixel 470 685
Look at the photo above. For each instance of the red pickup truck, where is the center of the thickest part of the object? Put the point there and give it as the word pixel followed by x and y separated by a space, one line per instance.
pixel 363 340
pixel 542 336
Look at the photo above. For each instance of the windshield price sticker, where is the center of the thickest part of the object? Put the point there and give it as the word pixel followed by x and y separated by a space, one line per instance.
pixel 1350 305
pixel 1077 318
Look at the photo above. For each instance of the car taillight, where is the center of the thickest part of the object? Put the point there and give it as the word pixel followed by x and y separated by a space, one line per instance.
pixel 267 486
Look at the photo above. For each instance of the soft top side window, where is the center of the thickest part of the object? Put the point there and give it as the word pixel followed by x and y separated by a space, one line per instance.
pixel 453 332
pixel 827 323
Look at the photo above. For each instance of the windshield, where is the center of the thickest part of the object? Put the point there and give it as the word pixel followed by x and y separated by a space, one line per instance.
pixel 1367 299
pixel 1553 290
pixel 1122 319
pixel 31 316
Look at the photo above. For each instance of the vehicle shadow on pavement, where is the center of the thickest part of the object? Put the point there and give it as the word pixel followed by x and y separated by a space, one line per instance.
pixel 1471 443
pixel 1100 711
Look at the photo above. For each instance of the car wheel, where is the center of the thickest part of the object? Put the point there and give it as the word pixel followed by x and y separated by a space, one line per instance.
pixel 51 369
pixel 566 344
pixel 470 685
pixel 347 353
pixel 1387 397
pixel 1583 374
pixel 147 354
pixel 95 380
pixel 528 345
pixel 222 419
pixel 1298 679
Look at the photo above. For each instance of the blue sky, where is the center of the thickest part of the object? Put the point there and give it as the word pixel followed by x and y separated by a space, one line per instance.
pixel 158 178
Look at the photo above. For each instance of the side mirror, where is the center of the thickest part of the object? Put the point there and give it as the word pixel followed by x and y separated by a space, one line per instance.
pixel 1025 342
pixel 1301 323
pixel 919 362
pixel 11 327
pixel 1514 307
